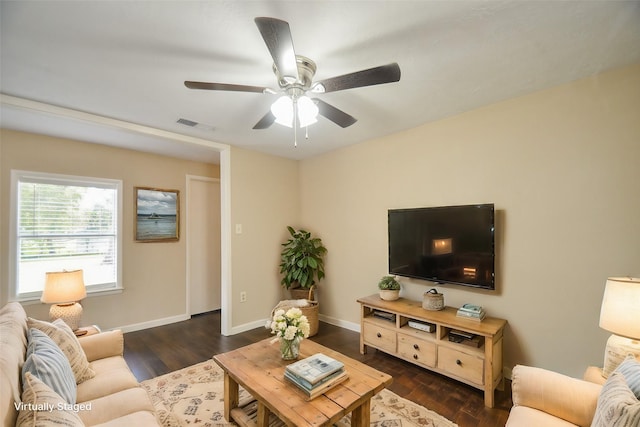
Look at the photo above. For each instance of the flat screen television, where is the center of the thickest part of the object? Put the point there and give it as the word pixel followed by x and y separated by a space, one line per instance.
pixel 448 244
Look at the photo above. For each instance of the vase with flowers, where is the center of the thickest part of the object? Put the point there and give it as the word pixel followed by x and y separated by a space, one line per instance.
pixel 290 327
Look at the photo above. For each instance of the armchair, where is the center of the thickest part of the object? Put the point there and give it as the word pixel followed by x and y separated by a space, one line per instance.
pixel 546 398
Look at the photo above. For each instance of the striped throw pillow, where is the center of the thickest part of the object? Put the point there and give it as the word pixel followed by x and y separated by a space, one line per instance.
pixel 62 335
pixel 45 360
pixel 42 406
pixel 617 405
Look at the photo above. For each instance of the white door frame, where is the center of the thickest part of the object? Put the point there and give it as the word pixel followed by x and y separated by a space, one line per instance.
pixel 225 240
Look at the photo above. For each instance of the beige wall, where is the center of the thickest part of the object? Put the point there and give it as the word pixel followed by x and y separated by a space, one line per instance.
pixel 561 166
pixel 264 200
pixel 153 273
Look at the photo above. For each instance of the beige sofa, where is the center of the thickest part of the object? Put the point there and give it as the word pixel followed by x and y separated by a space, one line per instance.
pixel 113 397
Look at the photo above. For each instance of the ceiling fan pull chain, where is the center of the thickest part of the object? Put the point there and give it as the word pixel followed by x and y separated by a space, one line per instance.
pixel 295 121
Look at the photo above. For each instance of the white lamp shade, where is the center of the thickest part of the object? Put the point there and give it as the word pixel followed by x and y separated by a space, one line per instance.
pixel 307 111
pixel 63 287
pixel 620 312
pixel 283 110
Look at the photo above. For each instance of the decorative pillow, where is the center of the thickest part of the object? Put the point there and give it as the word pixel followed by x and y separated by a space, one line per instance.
pixel 62 335
pixel 42 406
pixel 46 361
pixel 630 369
pixel 617 405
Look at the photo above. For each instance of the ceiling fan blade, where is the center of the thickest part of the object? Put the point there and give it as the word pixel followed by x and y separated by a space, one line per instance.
pixel 373 76
pixel 265 121
pixel 337 116
pixel 224 86
pixel 277 37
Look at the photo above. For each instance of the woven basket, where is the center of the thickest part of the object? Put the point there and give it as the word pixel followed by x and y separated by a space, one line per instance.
pixel 433 301
pixel 302 293
pixel 311 311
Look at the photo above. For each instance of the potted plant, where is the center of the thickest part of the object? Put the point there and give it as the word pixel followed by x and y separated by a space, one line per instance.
pixel 389 288
pixel 301 260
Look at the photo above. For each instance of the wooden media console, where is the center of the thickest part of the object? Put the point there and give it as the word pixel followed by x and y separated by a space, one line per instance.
pixel 385 326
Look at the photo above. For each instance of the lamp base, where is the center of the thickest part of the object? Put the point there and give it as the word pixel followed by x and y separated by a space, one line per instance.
pixel 616 351
pixel 70 313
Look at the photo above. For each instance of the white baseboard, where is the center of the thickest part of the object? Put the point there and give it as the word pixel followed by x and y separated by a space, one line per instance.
pixel 182 317
pixel 327 319
pixel 153 323
pixel 339 322
pixel 248 326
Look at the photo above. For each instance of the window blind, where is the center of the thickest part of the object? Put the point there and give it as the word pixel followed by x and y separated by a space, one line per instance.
pixel 66 224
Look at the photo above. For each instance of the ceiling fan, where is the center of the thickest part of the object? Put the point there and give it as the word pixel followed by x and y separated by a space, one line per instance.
pixel 295 80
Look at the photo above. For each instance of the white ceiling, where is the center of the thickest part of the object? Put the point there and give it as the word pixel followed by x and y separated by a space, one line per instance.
pixel 127 61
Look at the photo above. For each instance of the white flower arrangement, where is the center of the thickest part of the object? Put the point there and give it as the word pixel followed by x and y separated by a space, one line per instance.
pixel 290 324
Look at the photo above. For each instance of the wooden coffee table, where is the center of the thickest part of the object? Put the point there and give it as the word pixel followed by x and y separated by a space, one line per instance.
pixel 260 370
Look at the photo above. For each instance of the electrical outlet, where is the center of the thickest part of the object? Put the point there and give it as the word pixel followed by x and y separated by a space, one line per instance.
pixel 243 296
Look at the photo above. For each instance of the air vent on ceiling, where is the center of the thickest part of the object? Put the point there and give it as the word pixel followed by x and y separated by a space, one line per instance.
pixel 191 123
pixel 187 122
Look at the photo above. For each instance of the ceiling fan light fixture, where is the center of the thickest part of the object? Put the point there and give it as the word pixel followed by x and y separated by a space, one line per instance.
pixel 307 111
pixel 295 74
pixel 283 110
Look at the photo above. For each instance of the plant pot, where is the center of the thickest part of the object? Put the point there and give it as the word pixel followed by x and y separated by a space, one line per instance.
pixel 390 294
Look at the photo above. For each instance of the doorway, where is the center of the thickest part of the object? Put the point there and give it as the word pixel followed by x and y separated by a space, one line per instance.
pixel 203 245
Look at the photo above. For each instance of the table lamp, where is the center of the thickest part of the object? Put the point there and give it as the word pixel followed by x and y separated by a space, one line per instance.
pixel 620 314
pixel 63 290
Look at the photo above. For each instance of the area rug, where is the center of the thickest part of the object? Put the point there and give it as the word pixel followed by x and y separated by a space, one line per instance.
pixel 193 396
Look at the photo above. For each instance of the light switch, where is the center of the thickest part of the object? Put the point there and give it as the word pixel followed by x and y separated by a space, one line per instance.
pixel 238 228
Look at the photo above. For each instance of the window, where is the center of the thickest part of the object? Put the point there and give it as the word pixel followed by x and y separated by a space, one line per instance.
pixel 65 223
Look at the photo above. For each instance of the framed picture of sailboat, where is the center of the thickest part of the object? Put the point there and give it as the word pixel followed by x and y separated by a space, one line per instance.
pixel 157 215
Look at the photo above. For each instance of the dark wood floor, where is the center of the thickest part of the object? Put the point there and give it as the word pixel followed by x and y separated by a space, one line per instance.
pixel 160 350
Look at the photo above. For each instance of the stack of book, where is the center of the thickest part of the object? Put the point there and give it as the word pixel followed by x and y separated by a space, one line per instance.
pixel 472 312
pixel 316 374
